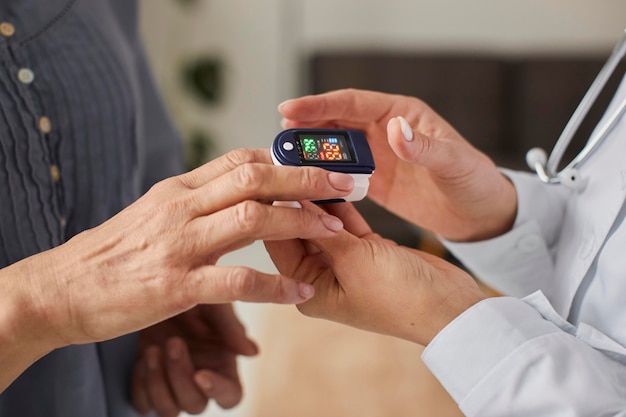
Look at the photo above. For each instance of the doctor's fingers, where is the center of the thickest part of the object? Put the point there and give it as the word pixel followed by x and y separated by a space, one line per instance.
pixel 264 182
pixel 350 105
pixel 287 255
pixel 352 220
pixel 448 156
pixel 411 145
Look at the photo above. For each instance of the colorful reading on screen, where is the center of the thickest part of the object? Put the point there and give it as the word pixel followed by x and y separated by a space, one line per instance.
pixel 324 148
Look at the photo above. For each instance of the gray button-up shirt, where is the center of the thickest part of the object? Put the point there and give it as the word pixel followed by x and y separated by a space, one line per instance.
pixel 82 134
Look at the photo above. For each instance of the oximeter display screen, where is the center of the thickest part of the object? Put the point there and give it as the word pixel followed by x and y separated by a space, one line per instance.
pixel 324 148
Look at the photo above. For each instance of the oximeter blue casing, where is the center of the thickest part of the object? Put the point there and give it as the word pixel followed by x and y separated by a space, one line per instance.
pixel 338 150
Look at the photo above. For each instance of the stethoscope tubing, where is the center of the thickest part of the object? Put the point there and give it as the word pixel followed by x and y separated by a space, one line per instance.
pixel 547 171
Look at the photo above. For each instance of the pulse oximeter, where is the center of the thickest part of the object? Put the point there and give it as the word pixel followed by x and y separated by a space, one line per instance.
pixel 345 151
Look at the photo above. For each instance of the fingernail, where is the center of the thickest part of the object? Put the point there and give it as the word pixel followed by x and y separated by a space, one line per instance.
pixel 288 204
pixel 407 132
pixel 204 381
pixel 342 182
pixel 306 291
pixel 173 350
pixel 283 103
pixel 283 123
pixel 332 223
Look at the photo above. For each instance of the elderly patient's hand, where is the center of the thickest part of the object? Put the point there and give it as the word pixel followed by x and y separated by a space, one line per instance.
pixel 371 283
pixel 189 359
pixel 156 258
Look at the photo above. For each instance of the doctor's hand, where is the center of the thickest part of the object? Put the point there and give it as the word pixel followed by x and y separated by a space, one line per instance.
pixel 189 359
pixel 370 283
pixel 425 171
pixel 157 258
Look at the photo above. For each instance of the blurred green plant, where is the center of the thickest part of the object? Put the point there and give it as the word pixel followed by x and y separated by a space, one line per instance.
pixel 200 147
pixel 201 79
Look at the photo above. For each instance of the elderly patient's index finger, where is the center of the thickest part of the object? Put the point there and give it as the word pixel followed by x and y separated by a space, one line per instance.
pixel 262 182
pixel 240 225
pixel 225 163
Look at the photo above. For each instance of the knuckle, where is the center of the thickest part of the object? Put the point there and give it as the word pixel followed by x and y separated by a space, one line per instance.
pixel 183 293
pixel 170 209
pixel 187 180
pixel 242 282
pixel 312 178
pixel 418 104
pixel 306 221
pixel 241 156
pixel 249 177
pixel 249 216
pixel 169 196
pixel 163 186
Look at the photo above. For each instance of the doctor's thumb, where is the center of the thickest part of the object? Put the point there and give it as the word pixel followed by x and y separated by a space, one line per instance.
pixel 411 145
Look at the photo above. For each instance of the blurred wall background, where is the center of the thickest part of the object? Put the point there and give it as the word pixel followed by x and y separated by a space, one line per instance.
pixel 259 51
pixel 264 44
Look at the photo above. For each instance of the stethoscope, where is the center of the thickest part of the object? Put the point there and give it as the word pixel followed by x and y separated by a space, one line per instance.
pixel 547 168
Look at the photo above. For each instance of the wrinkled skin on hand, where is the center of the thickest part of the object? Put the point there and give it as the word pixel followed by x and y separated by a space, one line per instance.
pixel 157 258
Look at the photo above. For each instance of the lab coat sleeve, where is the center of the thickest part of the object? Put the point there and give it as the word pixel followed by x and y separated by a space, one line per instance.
pixel 521 261
pixel 511 357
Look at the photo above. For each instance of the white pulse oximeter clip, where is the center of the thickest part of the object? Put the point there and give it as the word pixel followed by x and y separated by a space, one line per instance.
pixel 336 150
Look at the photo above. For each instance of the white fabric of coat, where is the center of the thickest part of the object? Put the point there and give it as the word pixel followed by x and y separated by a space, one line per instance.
pixel 555 345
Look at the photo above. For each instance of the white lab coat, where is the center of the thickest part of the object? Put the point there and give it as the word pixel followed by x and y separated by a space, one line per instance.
pixel 556 344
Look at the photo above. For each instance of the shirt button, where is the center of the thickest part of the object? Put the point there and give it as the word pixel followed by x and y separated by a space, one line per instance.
pixel 56 174
pixel 26 76
pixel 6 29
pixel 44 125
